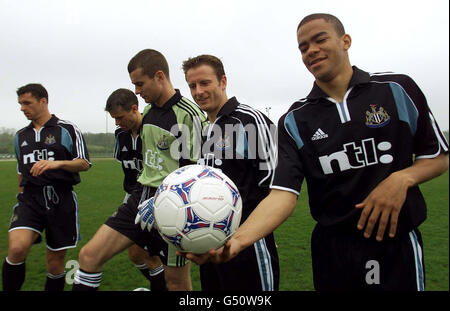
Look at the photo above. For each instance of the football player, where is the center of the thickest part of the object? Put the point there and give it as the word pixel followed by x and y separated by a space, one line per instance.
pixel 363 142
pixel 50 154
pixel 167 112
pixel 122 105
pixel 239 140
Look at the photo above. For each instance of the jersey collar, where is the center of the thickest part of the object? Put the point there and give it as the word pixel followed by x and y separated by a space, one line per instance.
pixel 53 121
pixel 359 77
pixel 172 101
pixel 229 107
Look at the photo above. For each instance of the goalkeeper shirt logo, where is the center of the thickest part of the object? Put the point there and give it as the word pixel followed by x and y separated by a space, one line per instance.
pixel 153 160
pixel 163 143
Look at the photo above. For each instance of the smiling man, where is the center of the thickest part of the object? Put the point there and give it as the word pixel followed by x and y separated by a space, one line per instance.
pixel 363 142
pixel 240 142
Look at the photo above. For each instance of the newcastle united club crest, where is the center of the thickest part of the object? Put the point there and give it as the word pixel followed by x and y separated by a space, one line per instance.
pixel 377 117
pixel 223 143
pixel 50 140
pixel 163 143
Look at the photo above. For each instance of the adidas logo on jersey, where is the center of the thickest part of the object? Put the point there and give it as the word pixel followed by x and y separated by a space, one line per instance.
pixel 319 134
pixel 24 144
pixel 124 149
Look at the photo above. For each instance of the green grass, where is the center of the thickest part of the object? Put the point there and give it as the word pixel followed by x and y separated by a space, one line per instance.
pixel 100 193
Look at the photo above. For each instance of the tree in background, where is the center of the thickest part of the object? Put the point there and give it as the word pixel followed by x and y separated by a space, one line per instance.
pixel 98 144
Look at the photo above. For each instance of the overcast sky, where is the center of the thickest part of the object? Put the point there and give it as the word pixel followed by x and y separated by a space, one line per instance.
pixel 79 50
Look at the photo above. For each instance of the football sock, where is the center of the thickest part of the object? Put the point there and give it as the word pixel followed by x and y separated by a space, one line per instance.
pixel 157 280
pixel 144 270
pixel 55 283
pixel 13 275
pixel 85 281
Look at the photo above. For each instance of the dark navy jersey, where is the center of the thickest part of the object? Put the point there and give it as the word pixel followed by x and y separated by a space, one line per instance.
pixel 56 140
pixel 241 143
pixel 345 149
pixel 128 151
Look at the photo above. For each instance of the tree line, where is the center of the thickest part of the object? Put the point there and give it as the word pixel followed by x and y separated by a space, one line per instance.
pixel 98 144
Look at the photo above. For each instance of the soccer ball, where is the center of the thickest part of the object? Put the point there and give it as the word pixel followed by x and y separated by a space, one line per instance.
pixel 197 208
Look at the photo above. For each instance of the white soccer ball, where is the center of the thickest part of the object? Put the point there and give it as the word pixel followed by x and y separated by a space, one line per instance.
pixel 197 208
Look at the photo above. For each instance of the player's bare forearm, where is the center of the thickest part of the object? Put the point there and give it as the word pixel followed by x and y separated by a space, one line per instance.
pixel 425 169
pixel 384 203
pixel 74 166
pixel 267 216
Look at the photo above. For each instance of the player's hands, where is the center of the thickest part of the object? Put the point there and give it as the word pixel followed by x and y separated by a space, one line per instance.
pixel 145 214
pixel 40 167
pixel 230 249
pixel 383 205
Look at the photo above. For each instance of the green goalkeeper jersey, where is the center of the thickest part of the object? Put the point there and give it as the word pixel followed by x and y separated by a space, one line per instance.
pixel 171 138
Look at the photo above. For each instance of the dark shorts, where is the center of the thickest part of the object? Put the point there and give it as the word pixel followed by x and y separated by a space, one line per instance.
pixel 256 268
pixel 48 208
pixel 122 221
pixel 343 260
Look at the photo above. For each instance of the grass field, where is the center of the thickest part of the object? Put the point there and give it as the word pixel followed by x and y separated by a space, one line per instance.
pixel 100 193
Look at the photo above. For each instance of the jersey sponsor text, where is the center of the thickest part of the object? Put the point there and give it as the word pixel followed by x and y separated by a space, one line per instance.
pixel 354 156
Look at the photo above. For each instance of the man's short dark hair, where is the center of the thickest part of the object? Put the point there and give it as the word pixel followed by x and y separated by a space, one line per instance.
pixel 123 98
pixel 328 18
pixel 150 61
pixel 205 59
pixel 36 90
